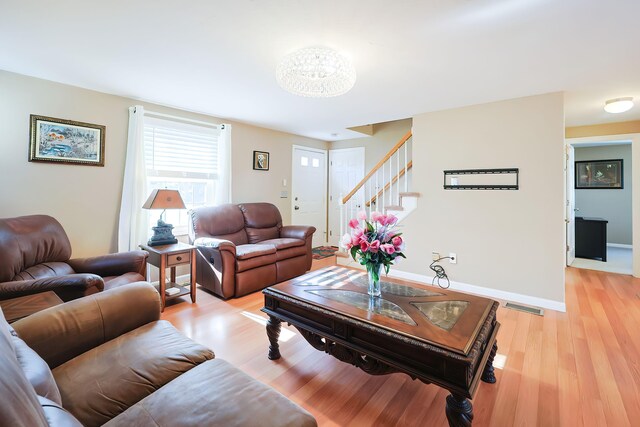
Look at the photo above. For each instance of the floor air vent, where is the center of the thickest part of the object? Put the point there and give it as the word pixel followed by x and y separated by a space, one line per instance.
pixel 531 310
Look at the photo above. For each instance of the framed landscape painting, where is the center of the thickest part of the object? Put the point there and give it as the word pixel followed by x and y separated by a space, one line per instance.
pixel 65 141
pixel 604 174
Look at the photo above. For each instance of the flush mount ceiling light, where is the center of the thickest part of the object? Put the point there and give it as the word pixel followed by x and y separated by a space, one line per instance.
pixel 618 105
pixel 317 72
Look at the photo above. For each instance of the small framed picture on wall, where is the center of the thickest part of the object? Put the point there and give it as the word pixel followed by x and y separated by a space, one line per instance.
pixel 260 161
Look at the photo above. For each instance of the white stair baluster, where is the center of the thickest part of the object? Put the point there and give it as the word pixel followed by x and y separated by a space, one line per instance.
pixel 406 167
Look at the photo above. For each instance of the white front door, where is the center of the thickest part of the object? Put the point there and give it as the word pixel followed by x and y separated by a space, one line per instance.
pixel 570 216
pixel 346 170
pixel 309 191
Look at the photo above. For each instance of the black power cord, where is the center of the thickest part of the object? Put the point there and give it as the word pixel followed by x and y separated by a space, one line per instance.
pixel 440 273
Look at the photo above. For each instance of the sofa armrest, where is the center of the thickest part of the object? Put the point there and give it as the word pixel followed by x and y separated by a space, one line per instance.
pixel 112 264
pixel 60 333
pixel 68 287
pixel 206 244
pixel 297 231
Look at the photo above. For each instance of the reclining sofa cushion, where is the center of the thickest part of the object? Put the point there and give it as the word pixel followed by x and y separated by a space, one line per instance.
pixel 103 382
pixel 234 399
pixel 224 222
pixel 262 221
pixel 36 371
pixel 253 251
pixel 41 239
pixel 287 248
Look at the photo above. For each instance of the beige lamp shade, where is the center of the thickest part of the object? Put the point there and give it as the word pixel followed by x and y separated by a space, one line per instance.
pixel 164 199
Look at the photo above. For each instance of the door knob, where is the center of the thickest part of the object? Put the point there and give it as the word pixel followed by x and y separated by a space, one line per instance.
pixel 296 207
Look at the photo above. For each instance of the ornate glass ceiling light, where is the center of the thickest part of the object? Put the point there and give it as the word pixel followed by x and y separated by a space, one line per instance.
pixel 317 72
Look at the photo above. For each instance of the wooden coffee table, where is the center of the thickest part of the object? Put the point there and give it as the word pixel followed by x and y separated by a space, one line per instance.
pixel 436 336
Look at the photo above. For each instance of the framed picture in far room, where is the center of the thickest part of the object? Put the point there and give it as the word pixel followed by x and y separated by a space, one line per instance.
pixel 603 174
pixel 260 161
pixel 66 141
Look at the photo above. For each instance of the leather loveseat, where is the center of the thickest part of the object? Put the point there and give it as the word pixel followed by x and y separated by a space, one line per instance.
pixel 107 360
pixel 35 257
pixel 244 248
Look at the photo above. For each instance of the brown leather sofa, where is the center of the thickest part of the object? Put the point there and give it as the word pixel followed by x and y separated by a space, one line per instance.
pixel 244 248
pixel 108 360
pixel 35 257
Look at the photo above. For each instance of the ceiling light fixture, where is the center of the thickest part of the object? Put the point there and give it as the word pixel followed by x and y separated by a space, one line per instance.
pixel 618 105
pixel 317 72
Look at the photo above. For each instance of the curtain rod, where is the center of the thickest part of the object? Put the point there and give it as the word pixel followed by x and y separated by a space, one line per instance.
pixel 183 119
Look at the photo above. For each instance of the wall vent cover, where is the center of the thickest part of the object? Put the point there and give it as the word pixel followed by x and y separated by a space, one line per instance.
pixel 532 310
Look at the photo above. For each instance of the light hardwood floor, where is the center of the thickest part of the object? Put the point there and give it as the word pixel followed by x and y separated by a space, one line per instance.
pixel 564 369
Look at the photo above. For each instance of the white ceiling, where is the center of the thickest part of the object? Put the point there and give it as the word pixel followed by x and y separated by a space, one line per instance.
pixel 411 57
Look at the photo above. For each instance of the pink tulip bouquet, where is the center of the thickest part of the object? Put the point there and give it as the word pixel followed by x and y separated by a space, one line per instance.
pixel 374 243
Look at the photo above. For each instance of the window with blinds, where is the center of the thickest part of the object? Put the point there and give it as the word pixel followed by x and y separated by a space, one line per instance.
pixel 181 157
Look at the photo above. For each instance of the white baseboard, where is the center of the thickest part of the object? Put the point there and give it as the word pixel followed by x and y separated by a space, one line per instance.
pixel 472 289
pixel 619 245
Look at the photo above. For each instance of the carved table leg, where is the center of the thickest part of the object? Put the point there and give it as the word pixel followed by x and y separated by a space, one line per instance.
pixel 459 411
pixel 273 332
pixel 487 375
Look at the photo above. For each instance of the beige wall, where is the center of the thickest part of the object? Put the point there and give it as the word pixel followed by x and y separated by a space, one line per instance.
pixel 612 205
pixel 505 240
pixel 376 146
pixel 85 199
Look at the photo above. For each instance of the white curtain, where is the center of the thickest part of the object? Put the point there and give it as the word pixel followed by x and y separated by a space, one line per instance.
pixel 134 221
pixel 223 185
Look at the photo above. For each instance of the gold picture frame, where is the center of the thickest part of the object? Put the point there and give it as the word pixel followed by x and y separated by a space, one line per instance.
pixel 66 141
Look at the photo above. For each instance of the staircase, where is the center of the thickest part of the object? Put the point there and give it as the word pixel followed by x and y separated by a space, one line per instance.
pixel 386 188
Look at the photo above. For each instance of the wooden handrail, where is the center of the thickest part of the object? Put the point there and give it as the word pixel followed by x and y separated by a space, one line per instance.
pixel 376 167
pixel 389 184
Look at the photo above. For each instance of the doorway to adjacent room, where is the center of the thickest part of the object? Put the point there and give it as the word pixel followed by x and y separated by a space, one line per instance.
pixel 599 205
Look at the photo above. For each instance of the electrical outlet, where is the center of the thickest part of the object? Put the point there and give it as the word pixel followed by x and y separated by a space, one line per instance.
pixel 435 256
pixel 453 258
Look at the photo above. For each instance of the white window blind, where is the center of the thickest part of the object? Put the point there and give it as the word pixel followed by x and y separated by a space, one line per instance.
pixel 180 150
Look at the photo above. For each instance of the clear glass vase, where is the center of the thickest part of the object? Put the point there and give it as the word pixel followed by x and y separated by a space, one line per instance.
pixel 374 279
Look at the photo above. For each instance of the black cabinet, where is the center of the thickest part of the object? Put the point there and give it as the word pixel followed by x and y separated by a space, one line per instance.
pixel 591 238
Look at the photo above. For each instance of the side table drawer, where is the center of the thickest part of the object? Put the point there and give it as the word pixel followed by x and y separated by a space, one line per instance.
pixel 179 258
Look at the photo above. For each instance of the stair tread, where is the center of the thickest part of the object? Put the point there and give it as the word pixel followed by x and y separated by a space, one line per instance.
pixel 409 194
pixel 342 254
pixel 394 208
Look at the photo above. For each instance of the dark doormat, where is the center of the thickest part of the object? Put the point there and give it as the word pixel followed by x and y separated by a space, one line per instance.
pixel 324 251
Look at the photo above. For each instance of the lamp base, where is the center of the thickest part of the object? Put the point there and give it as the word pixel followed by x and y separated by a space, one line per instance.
pixel 162 235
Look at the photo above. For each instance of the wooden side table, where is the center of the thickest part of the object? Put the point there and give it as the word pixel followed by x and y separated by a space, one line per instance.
pixel 171 256
pixel 17 308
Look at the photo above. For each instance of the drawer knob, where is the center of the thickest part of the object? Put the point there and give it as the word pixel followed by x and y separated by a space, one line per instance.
pixel 179 258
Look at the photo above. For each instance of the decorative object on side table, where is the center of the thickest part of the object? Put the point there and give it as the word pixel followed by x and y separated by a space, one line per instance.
pixel 604 174
pixel 65 141
pixel 260 161
pixel 375 244
pixel 163 199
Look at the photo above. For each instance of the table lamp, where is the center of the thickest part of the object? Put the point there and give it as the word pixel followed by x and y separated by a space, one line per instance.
pixel 163 199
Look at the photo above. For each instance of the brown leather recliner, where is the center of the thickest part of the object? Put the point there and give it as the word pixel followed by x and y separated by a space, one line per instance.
pixel 244 248
pixel 108 360
pixel 35 257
